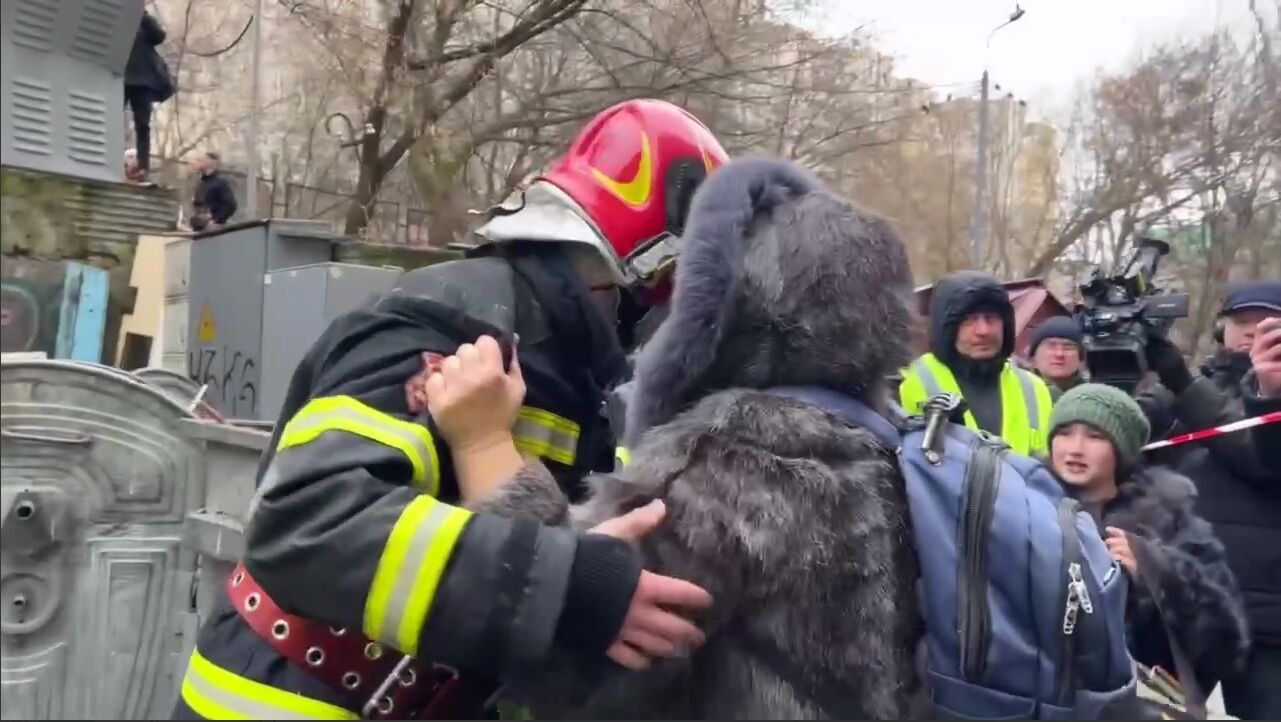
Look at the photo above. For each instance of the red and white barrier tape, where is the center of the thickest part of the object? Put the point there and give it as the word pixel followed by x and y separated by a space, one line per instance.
pixel 1269 418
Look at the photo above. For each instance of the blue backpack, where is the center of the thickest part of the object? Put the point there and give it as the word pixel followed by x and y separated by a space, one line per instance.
pixel 1024 608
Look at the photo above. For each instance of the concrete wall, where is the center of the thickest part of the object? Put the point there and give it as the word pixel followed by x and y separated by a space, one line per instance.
pixel 45 216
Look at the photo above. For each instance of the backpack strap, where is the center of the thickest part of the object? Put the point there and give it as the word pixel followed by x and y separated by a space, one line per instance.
pixel 845 407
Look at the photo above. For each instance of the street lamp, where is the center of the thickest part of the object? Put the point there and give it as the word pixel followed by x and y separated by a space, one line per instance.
pixel 978 219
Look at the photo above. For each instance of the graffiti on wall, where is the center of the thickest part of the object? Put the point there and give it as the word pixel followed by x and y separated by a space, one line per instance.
pixel 30 305
pixel 230 375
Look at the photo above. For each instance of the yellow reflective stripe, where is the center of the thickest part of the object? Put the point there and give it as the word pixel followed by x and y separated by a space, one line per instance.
pixel 541 433
pixel 409 571
pixel 927 377
pixel 1031 400
pixel 943 381
pixel 1015 427
pixel 623 455
pixel 344 413
pixel 215 693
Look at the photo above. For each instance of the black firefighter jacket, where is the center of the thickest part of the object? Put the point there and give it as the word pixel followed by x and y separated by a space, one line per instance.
pixel 353 524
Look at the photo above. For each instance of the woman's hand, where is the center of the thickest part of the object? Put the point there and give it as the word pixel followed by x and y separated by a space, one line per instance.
pixel 472 399
pixel 474 402
pixel 1118 543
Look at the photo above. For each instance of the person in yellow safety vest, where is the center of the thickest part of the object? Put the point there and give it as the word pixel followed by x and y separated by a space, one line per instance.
pixel 971 339
pixel 375 583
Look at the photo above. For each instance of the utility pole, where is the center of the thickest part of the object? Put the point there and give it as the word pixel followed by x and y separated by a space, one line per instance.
pixel 253 142
pixel 978 219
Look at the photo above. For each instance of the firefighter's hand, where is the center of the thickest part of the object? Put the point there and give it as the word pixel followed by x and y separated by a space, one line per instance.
pixel 1265 356
pixel 657 623
pixel 473 400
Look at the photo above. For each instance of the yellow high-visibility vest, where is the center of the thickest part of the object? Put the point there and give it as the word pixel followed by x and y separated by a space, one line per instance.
pixel 1025 401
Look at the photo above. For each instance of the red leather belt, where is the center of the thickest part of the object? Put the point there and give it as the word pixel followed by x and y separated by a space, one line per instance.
pixel 377 680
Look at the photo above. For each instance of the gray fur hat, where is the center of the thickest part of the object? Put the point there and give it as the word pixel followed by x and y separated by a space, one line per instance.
pixel 779 282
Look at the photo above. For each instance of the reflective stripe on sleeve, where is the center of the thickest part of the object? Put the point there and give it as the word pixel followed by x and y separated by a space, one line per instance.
pixel 541 433
pixel 215 693
pixel 622 455
pixel 929 381
pixel 344 413
pixel 409 571
pixel 1028 384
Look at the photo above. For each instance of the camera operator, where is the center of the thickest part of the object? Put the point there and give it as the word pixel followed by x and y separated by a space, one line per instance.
pixel 1238 475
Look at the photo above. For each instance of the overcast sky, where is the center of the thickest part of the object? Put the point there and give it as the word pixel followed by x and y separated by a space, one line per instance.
pixel 1041 57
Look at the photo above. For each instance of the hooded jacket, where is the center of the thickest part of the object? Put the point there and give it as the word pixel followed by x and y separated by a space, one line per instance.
pixel 796 523
pixel 145 69
pixel 1199 596
pixel 1237 475
pixel 956 297
pixel 992 388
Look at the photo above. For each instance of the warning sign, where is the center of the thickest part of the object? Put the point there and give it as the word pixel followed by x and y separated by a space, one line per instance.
pixel 208 332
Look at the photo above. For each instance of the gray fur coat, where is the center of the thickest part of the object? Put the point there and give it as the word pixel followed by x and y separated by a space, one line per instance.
pixel 796 523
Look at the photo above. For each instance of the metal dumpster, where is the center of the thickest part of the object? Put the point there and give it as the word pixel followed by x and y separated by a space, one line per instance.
pixel 111 540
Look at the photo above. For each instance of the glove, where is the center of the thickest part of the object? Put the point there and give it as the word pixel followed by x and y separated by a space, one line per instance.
pixel 1166 359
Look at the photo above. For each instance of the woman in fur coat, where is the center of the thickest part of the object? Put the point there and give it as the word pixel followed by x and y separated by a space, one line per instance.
pixel 795 522
pixel 1181 584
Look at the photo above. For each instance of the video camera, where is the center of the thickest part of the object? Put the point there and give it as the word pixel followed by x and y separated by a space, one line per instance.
pixel 1122 312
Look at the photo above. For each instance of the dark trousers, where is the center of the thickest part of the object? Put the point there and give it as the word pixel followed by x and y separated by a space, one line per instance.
pixel 1256 693
pixel 139 101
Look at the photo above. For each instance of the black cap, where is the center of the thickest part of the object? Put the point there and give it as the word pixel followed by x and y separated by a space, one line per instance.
pixel 1244 295
pixel 1064 327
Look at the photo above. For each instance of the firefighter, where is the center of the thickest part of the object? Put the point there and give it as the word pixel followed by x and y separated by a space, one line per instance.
pixel 372 585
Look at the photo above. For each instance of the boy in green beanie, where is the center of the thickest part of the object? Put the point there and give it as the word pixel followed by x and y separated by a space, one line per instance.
pixel 1097 434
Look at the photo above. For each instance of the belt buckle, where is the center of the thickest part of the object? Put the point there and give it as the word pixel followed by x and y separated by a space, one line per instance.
pixel 382 702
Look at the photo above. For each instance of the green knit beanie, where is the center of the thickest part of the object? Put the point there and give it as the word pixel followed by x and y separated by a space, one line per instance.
pixel 1109 410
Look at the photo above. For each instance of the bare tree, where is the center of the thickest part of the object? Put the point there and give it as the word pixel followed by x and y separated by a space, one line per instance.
pixel 1185 145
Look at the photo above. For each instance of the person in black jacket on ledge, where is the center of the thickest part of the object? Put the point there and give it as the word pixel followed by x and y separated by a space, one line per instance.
pixel 214 203
pixel 1238 475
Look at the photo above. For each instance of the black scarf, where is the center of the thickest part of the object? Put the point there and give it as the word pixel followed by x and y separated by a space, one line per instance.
pixel 582 340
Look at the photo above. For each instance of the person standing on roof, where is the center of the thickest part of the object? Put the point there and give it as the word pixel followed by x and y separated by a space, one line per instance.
pixel 386 574
pixel 971 339
pixel 147 81
pixel 1058 354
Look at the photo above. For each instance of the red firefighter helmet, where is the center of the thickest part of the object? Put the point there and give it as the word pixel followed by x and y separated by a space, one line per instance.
pixel 624 187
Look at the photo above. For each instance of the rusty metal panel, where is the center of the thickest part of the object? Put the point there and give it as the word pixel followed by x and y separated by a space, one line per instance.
pixel 96 480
